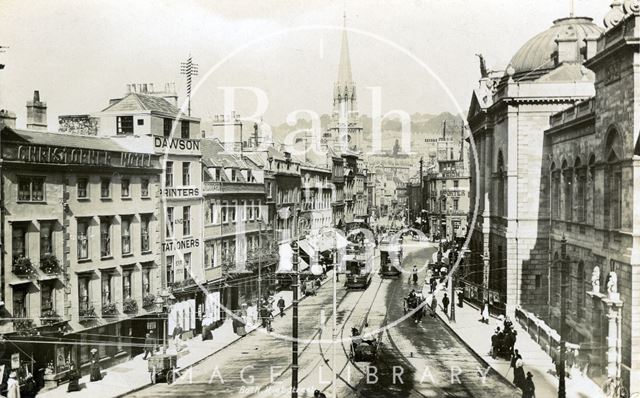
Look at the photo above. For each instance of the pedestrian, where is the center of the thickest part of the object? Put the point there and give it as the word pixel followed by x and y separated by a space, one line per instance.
pixel 281 306
pixel 13 386
pixel 148 346
pixel 434 305
pixel 529 389
pixel 414 275
pixel 518 369
pixel 460 298
pixel 507 324
pixel 96 373
pixel 74 376
pixel 485 313
pixel 445 303
pixel 495 342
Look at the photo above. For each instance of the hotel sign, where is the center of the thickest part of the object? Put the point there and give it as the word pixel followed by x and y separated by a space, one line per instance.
pixel 49 154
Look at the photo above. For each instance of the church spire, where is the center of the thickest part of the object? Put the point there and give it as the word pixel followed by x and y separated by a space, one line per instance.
pixel 344 69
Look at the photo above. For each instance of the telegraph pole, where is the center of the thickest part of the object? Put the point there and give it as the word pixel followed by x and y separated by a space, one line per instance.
pixel 294 331
pixel 563 313
pixel 454 271
pixel 189 69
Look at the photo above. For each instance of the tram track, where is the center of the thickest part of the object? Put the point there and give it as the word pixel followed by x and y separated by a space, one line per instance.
pixel 316 335
pixel 393 349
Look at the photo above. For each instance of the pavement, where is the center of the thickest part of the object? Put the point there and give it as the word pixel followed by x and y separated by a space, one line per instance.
pixel 134 374
pixel 477 336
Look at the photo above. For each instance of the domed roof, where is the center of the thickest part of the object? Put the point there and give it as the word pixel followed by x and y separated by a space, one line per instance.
pixel 538 53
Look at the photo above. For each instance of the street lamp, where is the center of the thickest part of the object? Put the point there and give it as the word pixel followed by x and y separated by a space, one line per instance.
pixel 285 213
pixel 162 301
pixel 259 265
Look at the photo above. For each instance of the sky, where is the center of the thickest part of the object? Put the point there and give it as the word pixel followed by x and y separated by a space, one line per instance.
pixel 420 54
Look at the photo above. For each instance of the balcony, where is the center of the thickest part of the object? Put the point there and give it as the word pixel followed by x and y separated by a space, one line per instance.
pixel 220 187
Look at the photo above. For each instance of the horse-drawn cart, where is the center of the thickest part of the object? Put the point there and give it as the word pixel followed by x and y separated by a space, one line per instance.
pixel 163 366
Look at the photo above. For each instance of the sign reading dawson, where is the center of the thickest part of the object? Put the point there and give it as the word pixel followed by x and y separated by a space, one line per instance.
pixel 176 145
pixel 50 154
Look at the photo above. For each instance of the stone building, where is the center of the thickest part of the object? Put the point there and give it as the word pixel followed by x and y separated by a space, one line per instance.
pixel 590 151
pixel 147 117
pixel 81 244
pixel 507 116
pixel 238 237
pixel 565 171
pixel 446 193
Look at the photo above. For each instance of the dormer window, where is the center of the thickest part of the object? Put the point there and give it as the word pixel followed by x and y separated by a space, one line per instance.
pixel 124 125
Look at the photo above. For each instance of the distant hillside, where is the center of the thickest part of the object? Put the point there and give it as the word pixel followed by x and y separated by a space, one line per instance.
pixel 423 126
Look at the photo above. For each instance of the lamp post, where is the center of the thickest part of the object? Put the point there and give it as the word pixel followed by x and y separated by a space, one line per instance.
pixel 563 313
pixel 284 213
pixel 259 265
pixel 162 301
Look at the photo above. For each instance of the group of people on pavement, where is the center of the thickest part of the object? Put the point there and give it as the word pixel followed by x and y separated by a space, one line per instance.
pixel 503 341
pixel 95 371
pixel 503 345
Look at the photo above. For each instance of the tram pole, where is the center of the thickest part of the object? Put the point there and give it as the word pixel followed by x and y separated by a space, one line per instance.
pixel 294 331
pixel 335 314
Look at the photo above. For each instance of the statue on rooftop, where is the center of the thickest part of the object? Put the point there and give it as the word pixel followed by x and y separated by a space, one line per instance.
pixel 595 279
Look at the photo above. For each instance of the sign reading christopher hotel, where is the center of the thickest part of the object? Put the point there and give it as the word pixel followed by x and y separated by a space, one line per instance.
pixel 49 154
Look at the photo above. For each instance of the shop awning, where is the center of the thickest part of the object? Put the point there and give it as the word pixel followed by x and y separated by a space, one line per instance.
pixel 306 245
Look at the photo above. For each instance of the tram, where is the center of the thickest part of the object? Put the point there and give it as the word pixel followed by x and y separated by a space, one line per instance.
pixel 359 265
pixel 390 257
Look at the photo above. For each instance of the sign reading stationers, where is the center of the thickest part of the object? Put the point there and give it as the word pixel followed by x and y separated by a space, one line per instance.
pixel 59 155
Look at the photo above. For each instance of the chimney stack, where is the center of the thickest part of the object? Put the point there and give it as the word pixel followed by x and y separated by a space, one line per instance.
pixel 7 118
pixel 36 113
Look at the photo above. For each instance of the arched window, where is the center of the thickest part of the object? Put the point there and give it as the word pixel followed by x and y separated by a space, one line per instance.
pixel 555 279
pixel 567 185
pixel 580 191
pixel 613 181
pixel 580 291
pixel 555 192
pixel 500 191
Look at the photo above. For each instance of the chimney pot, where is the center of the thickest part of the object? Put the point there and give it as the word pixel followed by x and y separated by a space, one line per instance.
pixel 36 96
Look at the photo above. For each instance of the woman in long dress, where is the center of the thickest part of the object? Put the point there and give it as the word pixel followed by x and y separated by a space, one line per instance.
pixel 74 376
pixel 13 386
pixel 96 373
pixel 485 313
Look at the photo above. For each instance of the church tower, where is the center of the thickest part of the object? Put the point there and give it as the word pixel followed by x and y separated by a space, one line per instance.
pixel 345 130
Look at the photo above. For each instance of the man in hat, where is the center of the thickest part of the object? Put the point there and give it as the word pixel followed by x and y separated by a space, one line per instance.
pixel 529 389
pixel 148 346
pixel 13 386
pixel 281 306
pixel 445 303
